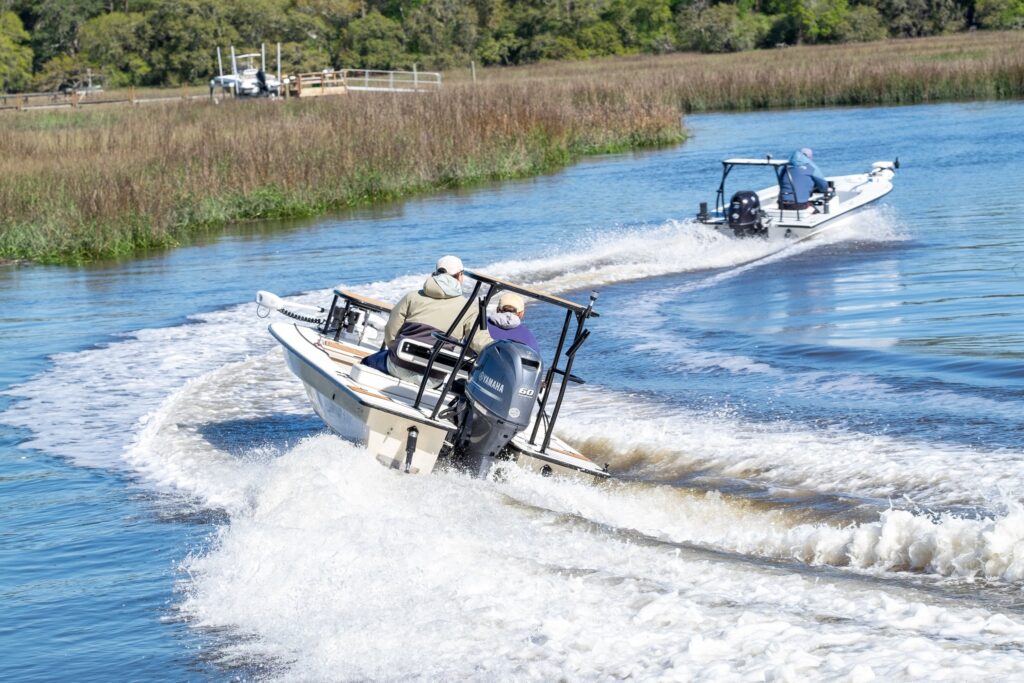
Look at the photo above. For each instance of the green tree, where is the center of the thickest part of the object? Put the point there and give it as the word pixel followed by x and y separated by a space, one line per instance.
pixel 61 71
pixel 809 21
pixel 600 38
pixel 374 42
pixel 645 25
pixel 15 54
pixel 720 28
pixel 863 23
pixel 335 13
pixel 999 14
pixel 498 40
pixel 441 33
pixel 118 43
pixel 911 18
pixel 55 26
pixel 185 37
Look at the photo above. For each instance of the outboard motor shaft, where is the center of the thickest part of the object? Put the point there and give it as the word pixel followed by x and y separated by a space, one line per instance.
pixel 745 213
pixel 498 402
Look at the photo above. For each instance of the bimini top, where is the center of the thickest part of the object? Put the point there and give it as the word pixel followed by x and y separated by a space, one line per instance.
pixel 579 309
pixel 767 161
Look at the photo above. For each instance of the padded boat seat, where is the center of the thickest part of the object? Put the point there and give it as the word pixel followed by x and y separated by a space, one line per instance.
pixel 418 353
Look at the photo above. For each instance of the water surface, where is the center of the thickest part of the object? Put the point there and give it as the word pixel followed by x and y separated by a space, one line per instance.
pixel 819 448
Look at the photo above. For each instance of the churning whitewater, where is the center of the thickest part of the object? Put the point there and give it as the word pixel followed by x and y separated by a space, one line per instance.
pixel 734 543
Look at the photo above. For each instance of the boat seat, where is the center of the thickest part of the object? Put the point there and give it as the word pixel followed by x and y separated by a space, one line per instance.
pixel 418 353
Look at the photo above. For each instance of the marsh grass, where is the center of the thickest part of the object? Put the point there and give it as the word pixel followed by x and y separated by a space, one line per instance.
pixel 87 184
pixel 966 66
pixel 111 183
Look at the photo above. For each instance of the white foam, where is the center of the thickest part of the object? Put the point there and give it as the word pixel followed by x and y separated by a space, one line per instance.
pixel 665 442
pixel 344 570
pixel 943 545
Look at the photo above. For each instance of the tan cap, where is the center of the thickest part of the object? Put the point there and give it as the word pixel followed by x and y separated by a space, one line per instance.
pixel 449 264
pixel 511 299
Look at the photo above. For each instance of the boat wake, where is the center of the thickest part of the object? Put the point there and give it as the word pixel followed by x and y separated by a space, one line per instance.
pixel 342 569
pixel 113 387
pixel 334 567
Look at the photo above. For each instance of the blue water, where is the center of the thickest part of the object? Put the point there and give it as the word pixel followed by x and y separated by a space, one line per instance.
pixel 906 336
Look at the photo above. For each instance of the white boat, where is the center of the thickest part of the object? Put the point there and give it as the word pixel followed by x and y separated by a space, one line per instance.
pixel 750 214
pixel 497 409
pixel 250 80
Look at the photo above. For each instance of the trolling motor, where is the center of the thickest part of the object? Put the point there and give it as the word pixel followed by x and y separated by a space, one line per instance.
pixel 495 404
pixel 268 301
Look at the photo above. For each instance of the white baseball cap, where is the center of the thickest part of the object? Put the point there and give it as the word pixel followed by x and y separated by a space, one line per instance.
pixel 511 299
pixel 449 264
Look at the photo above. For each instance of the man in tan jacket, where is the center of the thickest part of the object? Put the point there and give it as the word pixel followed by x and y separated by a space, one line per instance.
pixel 433 307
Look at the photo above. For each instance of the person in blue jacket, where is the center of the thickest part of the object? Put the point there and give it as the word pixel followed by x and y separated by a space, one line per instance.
pixel 507 321
pixel 798 179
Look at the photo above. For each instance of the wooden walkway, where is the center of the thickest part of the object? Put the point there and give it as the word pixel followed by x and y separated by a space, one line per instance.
pixel 343 81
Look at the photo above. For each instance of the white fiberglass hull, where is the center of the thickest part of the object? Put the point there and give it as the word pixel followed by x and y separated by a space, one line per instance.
pixel 375 410
pixel 853 194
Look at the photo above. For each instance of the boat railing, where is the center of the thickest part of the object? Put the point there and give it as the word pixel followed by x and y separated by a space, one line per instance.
pixel 569 342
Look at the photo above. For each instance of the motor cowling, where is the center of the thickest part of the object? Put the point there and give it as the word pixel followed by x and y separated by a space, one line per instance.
pixel 745 212
pixel 497 403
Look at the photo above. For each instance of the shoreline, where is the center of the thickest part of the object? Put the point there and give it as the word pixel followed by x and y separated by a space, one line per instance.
pixel 85 186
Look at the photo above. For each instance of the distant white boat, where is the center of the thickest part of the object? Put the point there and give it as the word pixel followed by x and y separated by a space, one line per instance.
pixel 759 214
pixel 251 80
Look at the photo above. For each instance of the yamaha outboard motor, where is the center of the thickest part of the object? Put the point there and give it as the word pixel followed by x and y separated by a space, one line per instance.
pixel 745 213
pixel 497 404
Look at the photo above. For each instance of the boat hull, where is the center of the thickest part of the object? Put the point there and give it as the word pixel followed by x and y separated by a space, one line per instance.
pixel 798 232
pixel 338 404
pixel 853 194
pixel 363 406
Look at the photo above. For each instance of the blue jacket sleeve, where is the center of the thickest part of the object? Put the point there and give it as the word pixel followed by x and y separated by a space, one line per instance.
pixel 820 184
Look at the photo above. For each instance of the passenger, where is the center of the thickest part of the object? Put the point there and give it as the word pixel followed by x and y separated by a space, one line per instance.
pixel 798 179
pixel 432 308
pixel 507 321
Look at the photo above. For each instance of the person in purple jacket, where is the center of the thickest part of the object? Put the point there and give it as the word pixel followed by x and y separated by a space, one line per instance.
pixel 507 321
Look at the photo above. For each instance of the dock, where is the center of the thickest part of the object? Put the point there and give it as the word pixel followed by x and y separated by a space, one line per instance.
pixel 342 81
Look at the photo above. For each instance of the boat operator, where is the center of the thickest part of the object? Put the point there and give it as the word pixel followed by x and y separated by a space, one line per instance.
pixel 507 321
pixel 432 308
pixel 798 179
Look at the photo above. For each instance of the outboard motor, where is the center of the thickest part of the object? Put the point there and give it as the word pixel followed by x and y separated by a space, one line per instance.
pixel 745 213
pixel 496 405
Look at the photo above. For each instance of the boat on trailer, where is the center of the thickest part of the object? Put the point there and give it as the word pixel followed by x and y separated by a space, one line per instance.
pixel 760 214
pixel 480 415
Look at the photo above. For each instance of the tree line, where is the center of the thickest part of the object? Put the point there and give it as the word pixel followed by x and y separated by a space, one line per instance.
pixel 44 43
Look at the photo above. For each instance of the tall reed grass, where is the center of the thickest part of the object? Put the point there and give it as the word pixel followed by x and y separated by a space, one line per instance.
pixel 84 185
pixel 966 66
pixel 115 181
